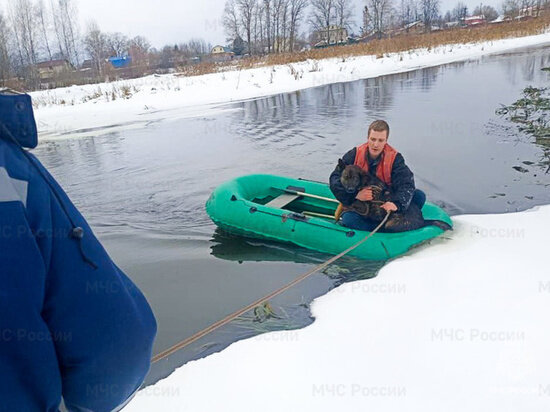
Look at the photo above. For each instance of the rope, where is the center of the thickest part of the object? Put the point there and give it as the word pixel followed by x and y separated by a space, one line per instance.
pixel 164 354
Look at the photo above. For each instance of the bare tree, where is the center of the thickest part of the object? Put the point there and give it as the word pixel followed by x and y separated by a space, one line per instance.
pixel 23 22
pixel 322 15
pixel 5 63
pixel 489 12
pixel 378 14
pixel 297 8
pixel 267 9
pixel 138 48
pixel 194 47
pixel 117 44
pixel 511 8
pixel 266 25
pixel 344 13
pixel 65 18
pixel 44 26
pixel 459 12
pixel 246 9
pixel 279 19
pixel 366 21
pixel 258 30
pixel 231 20
pixel 429 11
pixel 95 43
pixel 140 43
pixel 407 12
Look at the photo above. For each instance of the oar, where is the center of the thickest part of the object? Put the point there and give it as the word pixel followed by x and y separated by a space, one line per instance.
pixel 296 192
pixel 315 214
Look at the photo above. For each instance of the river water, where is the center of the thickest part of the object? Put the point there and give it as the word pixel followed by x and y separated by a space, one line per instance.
pixel 143 191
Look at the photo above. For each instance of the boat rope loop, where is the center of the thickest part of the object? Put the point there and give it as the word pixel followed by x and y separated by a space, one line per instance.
pixel 164 354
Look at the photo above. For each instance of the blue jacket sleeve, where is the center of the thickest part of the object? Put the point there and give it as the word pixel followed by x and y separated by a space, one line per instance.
pixel 100 326
pixel 403 186
pixel 30 378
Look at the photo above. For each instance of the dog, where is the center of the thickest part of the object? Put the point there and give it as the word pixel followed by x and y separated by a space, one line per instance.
pixel 354 178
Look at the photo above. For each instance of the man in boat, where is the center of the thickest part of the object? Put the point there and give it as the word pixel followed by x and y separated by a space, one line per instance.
pixel 72 325
pixel 377 157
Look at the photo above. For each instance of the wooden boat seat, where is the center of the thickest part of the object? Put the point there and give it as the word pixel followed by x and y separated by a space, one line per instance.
pixel 282 200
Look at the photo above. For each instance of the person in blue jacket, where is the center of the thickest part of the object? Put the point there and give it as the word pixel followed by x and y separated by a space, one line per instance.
pixel 73 327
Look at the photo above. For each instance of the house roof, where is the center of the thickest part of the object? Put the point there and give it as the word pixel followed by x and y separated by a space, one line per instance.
pixel 472 18
pixel 499 19
pixel 224 48
pixel 53 63
pixel 414 23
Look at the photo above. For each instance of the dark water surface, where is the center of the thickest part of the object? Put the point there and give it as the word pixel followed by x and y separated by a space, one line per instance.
pixel 143 191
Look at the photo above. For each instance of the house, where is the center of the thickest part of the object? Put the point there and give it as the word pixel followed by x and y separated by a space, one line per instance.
pixel 87 64
pixel 220 50
pixel 221 54
pixel 529 11
pixel 500 19
pixel 452 24
pixel 374 36
pixel 331 36
pixel 475 20
pixel 416 27
pixel 54 73
pixel 49 69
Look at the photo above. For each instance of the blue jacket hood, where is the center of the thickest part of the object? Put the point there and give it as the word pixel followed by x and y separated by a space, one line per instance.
pixel 16 115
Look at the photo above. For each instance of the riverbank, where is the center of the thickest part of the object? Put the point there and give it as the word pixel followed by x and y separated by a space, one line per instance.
pixel 458 325
pixel 108 107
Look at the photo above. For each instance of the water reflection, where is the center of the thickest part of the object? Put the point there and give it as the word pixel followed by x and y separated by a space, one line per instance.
pixel 528 70
pixel 235 248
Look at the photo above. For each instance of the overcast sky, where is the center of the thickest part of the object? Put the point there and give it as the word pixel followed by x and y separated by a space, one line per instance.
pixel 176 21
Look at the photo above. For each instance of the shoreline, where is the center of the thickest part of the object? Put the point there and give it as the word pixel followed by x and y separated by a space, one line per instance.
pixel 90 110
pixel 455 325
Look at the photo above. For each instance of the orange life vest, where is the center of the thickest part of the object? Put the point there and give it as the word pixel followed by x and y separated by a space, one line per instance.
pixel 383 171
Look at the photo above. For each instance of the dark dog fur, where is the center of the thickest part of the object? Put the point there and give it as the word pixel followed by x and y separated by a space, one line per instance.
pixel 354 178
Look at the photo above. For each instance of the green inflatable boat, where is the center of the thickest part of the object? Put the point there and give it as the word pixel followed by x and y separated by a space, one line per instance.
pixel 301 212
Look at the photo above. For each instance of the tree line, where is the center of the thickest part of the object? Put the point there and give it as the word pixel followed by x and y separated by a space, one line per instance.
pixel 32 30
pixel 274 26
pixel 35 31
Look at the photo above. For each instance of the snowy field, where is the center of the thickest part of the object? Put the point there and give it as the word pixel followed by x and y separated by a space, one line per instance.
pixel 460 325
pixel 91 110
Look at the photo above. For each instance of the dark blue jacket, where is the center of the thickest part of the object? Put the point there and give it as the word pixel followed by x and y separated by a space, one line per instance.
pixel 72 325
pixel 402 178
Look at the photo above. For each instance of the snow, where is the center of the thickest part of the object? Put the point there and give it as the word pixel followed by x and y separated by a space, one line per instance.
pixel 91 110
pixel 457 325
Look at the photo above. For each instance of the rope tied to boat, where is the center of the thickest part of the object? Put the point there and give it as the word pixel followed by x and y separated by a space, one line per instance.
pixel 216 325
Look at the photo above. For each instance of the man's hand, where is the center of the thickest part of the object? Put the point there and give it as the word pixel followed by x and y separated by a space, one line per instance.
pixel 389 207
pixel 364 195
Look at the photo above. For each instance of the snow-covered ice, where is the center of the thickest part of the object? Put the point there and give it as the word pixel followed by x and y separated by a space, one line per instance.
pixel 89 109
pixel 457 325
